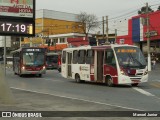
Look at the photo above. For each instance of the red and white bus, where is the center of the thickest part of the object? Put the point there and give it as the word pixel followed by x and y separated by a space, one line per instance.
pixel 111 64
pixel 52 60
pixel 31 60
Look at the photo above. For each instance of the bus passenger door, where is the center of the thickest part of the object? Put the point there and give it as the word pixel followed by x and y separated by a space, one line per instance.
pixel 110 68
pixel 69 61
pixel 100 56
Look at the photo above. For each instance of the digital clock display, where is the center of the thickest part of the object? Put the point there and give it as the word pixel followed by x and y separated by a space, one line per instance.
pixel 16 27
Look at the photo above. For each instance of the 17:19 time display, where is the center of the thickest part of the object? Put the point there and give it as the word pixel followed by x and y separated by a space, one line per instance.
pixel 15 27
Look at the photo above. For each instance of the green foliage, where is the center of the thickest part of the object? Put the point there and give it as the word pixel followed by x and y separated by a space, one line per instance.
pixel 144 9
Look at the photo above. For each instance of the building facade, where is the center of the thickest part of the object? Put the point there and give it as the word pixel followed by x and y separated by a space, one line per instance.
pixel 137 32
pixel 53 28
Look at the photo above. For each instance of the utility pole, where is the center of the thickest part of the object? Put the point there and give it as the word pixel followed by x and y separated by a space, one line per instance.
pixel 103 26
pixel 20 40
pixel 4 56
pixel 148 39
pixel 115 35
pixel 106 28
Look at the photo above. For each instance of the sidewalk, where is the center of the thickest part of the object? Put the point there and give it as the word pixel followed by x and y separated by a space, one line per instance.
pixel 155 73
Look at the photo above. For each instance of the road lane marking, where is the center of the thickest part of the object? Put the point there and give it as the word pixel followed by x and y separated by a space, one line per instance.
pixel 73 98
pixel 143 91
pixel 53 80
pixel 155 85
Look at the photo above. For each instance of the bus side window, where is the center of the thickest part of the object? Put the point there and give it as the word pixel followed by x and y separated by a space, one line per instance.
pixel 110 58
pixel 75 57
pixel 81 56
pixel 64 57
pixel 89 57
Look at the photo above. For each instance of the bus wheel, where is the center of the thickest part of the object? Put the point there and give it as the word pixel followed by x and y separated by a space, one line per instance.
pixel 20 75
pixel 134 84
pixel 40 75
pixel 77 78
pixel 109 81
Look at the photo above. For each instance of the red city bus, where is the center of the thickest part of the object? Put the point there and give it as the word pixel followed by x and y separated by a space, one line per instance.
pixel 59 62
pixel 31 60
pixel 111 64
pixel 52 60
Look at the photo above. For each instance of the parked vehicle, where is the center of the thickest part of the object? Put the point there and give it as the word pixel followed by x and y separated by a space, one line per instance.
pixel 52 60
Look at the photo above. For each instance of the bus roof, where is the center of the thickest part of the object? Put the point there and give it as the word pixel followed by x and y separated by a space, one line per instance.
pixel 52 53
pixel 20 49
pixel 102 47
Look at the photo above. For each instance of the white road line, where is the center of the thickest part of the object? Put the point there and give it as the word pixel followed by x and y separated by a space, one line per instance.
pixel 79 99
pixel 53 80
pixel 143 91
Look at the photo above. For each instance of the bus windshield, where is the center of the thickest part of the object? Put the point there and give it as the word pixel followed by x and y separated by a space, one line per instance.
pixel 130 57
pixel 33 58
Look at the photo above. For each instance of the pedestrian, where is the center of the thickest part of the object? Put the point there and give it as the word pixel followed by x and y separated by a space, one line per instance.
pixel 154 63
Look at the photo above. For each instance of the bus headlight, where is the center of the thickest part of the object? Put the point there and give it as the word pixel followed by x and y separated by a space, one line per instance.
pixel 44 67
pixel 23 68
pixel 123 72
pixel 146 72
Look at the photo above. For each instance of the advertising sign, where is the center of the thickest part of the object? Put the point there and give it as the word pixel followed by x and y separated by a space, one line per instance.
pixel 17 18
pixel 16 8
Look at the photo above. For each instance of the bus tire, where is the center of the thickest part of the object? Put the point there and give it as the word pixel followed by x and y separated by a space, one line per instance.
pixel 134 84
pixel 40 75
pixel 109 81
pixel 77 78
pixel 20 75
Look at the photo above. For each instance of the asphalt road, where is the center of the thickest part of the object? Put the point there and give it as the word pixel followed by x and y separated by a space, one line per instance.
pixel 144 97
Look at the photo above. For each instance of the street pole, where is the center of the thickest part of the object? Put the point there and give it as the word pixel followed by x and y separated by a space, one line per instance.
pixel 106 28
pixel 31 44
pixel 20 40
pixel 115 35
pixel 4 57
pixel 103 26
pixel 148 39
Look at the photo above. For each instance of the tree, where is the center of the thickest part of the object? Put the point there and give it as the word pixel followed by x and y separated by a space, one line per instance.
pixel 143 10
pixel 87 22
pixel 158 8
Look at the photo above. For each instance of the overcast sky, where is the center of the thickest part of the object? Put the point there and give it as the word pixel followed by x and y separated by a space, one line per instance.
pixel 100 8
pixel 116 10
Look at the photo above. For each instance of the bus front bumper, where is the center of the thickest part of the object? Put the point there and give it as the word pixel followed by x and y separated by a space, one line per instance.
pixel 43 71
pixel 131 80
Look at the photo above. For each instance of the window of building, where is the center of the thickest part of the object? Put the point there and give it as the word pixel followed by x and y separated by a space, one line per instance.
pixel 62 40
pixel 55 40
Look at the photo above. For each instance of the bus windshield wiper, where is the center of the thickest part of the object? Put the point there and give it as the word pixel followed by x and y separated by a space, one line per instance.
pixel 137 61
